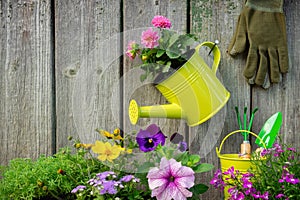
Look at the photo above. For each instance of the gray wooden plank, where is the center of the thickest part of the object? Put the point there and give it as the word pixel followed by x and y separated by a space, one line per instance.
pixel 137 18
pixel 87 68
pixel 216 20
pixel 26 110
pixel 285 96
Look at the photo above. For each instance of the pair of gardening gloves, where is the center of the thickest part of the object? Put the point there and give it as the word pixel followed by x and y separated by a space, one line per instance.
pixel 261 30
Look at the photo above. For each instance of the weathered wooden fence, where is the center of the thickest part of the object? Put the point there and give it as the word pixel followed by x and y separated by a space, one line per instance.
pixel 63 72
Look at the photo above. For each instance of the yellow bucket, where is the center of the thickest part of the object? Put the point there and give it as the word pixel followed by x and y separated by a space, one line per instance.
pixel 229 160
pixel 194 92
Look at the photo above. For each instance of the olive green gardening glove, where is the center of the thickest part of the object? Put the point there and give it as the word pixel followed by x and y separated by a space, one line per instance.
pixel 261 30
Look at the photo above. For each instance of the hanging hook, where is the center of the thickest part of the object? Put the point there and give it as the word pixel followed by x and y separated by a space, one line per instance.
pixel 216 43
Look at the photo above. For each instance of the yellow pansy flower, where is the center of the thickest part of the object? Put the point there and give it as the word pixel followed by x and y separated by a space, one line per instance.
pixel 106 151
pixel 116 135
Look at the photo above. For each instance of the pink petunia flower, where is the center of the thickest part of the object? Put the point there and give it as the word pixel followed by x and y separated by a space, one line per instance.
pixel 150 38
pixel 171 180
pixel 161 22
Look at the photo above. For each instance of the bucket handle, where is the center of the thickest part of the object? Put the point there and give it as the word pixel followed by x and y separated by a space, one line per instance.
pixel 216 53
pixel 238 131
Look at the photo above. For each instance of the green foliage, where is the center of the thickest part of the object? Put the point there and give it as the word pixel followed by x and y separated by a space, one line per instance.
pixel 278 172
pixel 47 177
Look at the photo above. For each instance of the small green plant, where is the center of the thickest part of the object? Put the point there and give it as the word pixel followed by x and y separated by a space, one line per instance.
pixel 50 177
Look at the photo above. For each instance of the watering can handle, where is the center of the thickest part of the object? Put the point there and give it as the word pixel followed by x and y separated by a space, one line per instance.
pixel 216 53
pixel 238 131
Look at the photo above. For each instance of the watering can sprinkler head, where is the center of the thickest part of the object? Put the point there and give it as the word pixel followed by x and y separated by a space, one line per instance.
pixel 194 92
pixel 158 111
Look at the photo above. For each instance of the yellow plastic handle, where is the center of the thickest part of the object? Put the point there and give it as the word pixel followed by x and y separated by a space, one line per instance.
pixel 238 131
pixel 216 53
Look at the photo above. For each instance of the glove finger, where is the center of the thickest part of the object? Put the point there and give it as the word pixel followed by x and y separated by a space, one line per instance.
pixel 274 66
pixel 262 68
pixel 251 64
pixel 283 60
pixel 239 40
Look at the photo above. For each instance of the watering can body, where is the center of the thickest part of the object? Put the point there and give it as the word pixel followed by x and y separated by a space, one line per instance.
pixel 194 92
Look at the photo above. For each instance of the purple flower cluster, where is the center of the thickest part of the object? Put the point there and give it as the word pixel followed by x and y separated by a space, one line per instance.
pixel 217 180
pixel 107 183
pixel 240 186
pixel 234 178
pixel 287 177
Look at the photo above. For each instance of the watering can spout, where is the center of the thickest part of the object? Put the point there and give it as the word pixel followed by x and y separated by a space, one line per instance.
pixel 194 92
pixel 156 111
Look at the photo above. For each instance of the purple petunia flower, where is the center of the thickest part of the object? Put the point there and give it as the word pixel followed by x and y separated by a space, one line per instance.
pixel 78 188
pixel 150 38
pixel 151 137
pixel 171 180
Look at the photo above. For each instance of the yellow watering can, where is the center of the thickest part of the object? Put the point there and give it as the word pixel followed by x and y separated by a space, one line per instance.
pixel 229 160
pixel 194 92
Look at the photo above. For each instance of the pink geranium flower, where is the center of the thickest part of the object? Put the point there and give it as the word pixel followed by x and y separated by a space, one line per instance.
pixel 161 22
pixel 150 38
pixel 171 180
pixel 132 49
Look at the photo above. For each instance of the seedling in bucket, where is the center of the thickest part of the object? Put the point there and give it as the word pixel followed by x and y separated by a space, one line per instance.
pixel 245 146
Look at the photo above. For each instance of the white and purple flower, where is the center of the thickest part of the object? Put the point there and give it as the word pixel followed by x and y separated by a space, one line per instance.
pixel 171 180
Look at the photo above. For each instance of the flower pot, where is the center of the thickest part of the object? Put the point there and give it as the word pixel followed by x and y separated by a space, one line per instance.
pixel 229 160
pixel 194 92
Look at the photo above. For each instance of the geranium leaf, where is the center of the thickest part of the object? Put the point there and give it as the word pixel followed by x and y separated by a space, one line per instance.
pixel 173 39
pixel 172 54
pixel 159 53
pixel 203 167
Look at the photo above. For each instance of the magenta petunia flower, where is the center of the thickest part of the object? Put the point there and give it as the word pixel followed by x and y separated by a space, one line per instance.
pixel 150 38
pixel 161 22
pixel 149 139
pixel 171 180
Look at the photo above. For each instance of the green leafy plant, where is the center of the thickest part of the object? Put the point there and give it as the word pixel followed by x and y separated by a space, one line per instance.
pixel 163 49
pixel 51 177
